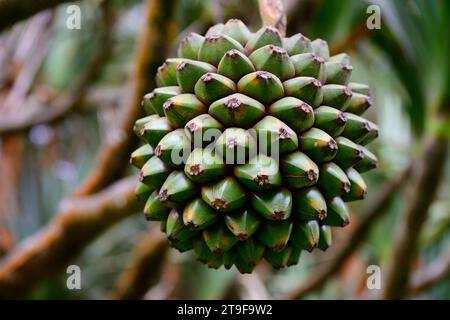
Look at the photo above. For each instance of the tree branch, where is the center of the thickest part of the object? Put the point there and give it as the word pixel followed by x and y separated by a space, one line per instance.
pixel 70 100
pixel 12 11
pixel 77 223
pixel 429 276
pixel 376 210
pixel 427 175
pixel 273 14
pixel 144 271
pixel 153 44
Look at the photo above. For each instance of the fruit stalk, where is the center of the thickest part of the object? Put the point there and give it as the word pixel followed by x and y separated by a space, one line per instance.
pixel 273 14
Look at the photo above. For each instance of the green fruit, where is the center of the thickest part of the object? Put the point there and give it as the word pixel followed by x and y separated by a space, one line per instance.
pixel 204 165
pixel 325 238
pixel 197 215
pixel 330 120
pixel 275 60
pixel 252 145
pixel 306 89
pixel 309 65
pixel 237 110
pixel 203 130
pixel 297 44
pixel 273 205
pixel 305 235
pixel 182 108
pixel 190 46
pixel 336 96
pixel 309 204
pixel 299 171
pixel 320 47
pixel 219 239
pixel 275 137
pixel 153 102
pixel 225 195
pixel 143 191
pixel 242 224
pixel 274 234
pixel 154 210
pixel 297 114
pixel 262 86
pixel 141 155
pixel 318 145
pixel 358 188
pixel 213 86
pixel 333 181
pixel 337 214
pixel 369 162
pixel 278 259
pixel 261 173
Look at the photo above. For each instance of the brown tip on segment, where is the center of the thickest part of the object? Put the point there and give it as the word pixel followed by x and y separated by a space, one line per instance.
pixel 158 151
pixel 195 170
pixel 346 187
pixel 162 67
pixel 305 108
pixel 262 179
pixel 167 104
pixel 217 250
pixel 263 75
pixel 219 203
pixel 318 59
pixel 321 214
pixel 278 215
pixel 146 218
pixel 163 195
pixel 191 225
pixel 277 50
pixel 171 238
pixel 342 119
pixel 347 67
pixel 347 92
pixel 231 143
pixel 278 247
pixel 206 77
pixel 332 145
pixel 232 53
pixel 242 236
pixel 359 154
pixel 233 103
pixel 316 83
pixel 283 134
pixel 311 175
pixel 311 249
pixel 364 194
pixel 368 101
pixel 271 29
pixel 182 66
pixel 141 176
pixel 213 38
pixel 344 223
pixel 192 127
pixel 201 260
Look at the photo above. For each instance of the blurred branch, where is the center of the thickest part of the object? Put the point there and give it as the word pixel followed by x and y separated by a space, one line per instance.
pixel 359 32
pixel 12 11
pixel 375 211
pixel 273 14
pixel 77 223
pixel 144 271
pixel 431 275
pixel 68 101
pixel 427 175
pixel 152 44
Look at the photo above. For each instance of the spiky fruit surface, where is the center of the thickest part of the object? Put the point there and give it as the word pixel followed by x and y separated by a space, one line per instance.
pixel 252 146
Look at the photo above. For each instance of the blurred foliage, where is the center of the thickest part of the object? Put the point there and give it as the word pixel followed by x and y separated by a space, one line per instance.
pixel 406 63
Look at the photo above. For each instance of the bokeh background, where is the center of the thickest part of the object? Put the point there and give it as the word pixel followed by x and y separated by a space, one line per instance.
pixel 69 98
